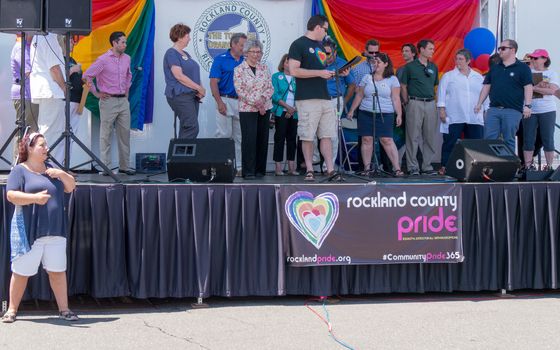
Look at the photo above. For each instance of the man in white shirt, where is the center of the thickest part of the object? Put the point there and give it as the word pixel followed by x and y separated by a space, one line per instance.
pixel 47 85
pixel 458 93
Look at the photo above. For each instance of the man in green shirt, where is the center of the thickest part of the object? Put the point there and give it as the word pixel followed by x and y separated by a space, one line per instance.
pixel 418 82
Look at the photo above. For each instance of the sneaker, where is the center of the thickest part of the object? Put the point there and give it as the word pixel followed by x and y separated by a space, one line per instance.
pixel 127 171
pixel 414 172
pixel 430 172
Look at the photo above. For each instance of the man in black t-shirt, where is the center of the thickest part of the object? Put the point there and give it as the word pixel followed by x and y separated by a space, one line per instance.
pixel 316 115
pixel 510 86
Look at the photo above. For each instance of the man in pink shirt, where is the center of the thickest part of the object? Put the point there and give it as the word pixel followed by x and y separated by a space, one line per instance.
pixel 113 80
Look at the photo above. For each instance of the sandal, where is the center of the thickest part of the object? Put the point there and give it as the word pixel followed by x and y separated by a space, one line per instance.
pixel 294 173
pixel 334 176
pixel 309 176
pixel 441 171
pixel 279 173
pixel 9 317
pixel 68 315
pixel 398 173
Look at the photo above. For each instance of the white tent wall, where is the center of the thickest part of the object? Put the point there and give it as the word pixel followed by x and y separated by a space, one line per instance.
pixel 534 28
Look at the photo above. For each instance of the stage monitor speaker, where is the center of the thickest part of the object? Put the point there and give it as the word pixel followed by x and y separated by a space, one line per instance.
pixel 481 161
pixel 68 16
pixel 21 16
pixel 201 160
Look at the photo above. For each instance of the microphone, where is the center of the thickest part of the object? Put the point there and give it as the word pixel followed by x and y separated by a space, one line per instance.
pixel 327 38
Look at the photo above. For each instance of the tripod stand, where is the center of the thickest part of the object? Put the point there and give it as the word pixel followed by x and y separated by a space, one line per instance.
pixel 20 120
pixel 68 135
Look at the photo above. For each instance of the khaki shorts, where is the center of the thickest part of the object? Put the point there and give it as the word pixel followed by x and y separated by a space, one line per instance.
pixel 316 118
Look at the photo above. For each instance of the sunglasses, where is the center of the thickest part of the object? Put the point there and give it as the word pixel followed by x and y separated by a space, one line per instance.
pixel 372 52
pixel 427 72
pixel 503 48
pixel 536 58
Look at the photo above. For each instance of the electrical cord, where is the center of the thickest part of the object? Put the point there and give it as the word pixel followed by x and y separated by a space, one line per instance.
pixel 327 320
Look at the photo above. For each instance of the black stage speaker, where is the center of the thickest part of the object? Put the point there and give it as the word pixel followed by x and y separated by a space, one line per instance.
pixel 68 16
pixel 555 175
pixel 201 160
pixel 21 16
pixel 482 160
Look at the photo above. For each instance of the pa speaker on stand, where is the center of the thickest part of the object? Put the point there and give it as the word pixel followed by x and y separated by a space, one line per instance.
pixel 68 16
pixel 18 16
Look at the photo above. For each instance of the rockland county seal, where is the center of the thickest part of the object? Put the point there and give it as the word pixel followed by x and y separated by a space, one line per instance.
pixel 219 22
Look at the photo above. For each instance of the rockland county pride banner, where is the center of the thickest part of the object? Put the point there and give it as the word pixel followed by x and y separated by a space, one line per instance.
pixel 371 224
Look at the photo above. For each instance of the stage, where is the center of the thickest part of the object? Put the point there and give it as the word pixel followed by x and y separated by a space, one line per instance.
pixel 156 239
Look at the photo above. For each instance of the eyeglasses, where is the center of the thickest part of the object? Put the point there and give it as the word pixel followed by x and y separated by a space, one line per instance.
pixel 255 52
pixel 325 28
pixel 503 48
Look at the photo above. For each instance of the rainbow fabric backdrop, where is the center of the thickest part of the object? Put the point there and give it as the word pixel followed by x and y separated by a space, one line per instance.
pixel 136 18
pixel 393 23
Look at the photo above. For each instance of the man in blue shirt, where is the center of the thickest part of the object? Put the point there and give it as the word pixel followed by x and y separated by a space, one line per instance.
pixel 223 91
pixel 346 88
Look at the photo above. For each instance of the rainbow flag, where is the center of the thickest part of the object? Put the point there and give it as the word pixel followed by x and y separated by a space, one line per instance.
pixel 394 23
pixel 136 18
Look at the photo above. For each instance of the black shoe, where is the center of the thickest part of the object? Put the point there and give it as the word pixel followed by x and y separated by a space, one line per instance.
pixel 414 172
pixel 249 177
pixel 127 171
pixel 259 175
pixel 430 172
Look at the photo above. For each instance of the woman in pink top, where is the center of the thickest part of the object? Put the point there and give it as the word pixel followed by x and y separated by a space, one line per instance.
pixel 253 84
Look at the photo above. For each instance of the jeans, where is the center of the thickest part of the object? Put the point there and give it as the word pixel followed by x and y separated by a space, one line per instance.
pixel 504 122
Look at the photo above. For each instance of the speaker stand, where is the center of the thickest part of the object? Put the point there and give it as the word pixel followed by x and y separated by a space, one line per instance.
pixel 20 120
pixel 68 134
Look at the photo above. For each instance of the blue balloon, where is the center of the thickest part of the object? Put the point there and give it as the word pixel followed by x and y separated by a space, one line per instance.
pixel 480 41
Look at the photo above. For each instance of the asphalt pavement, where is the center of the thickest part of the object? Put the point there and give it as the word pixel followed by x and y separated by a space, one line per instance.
pixel 523 320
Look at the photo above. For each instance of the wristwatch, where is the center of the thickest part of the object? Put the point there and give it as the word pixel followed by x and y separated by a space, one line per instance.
pixel 529 106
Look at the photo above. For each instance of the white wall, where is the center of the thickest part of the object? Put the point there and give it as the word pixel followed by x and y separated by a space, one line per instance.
pixel 286 20
pixel 537 28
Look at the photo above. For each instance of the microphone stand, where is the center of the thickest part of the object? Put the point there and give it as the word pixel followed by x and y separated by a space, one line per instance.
pixel 376 169
pixel 337 176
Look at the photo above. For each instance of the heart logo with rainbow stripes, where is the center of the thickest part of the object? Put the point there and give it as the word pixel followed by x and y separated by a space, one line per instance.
pixel 313 217
pixel 321 55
